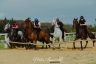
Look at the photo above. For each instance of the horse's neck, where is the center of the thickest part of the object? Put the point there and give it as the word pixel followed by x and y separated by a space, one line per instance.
pixel 56 29
pixel 28 31
pixel 8 25
pixel 76 24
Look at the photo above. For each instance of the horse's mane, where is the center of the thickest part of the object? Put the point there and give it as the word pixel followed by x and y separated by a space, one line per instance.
pixel 75 23
pixel 29 23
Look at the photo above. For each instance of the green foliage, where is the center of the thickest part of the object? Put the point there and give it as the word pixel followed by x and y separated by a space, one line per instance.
pixel 92 28
pixel 1 45
pixel 68 27
pixel 2 37
pixel 1 28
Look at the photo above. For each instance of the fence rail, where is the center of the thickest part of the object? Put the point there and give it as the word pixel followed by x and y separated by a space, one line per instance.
pixel 69 37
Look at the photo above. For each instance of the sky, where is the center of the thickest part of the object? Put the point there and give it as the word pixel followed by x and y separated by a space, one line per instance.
pixel 46 10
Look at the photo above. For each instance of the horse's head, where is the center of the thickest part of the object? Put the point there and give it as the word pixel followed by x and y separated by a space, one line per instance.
pixel 75 22
pixel 7 27
pixel 28 24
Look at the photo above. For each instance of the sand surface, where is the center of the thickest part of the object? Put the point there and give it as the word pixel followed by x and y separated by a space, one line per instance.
pixel 65 55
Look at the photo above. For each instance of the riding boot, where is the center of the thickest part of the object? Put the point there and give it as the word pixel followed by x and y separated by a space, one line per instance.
pixel 62 29
pixel 38 32
pixel 63 35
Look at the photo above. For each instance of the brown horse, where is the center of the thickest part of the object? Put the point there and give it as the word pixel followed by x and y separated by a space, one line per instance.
pixel 31 34
pixel 28 33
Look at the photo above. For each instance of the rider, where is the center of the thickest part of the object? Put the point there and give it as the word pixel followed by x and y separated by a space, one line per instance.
pixel 59 24
pixel 82 21
pixel 28 19
pixel 83 25
pixel 15 27
pixel 37 25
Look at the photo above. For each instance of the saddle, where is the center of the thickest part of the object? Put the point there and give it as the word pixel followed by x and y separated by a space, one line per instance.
pixel 37 31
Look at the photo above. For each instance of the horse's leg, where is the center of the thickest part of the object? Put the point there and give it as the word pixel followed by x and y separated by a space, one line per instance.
pixel 25 41
pixel 63 35
pixel 60 41
pixel 81 45
pixel 26 46
pixel 93 43
pixel 43 45
pixel 86 44
pixel 35 42
pixel 49 44
pixel 53 42
pixel 74 45
pixel 46 46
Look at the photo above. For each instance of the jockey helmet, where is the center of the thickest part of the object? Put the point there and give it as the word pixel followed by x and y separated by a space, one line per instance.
pixel 81 17
pixel 36 20
pixel 57 19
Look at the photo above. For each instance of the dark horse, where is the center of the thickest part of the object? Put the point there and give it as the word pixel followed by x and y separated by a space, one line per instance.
pixel 13 36
pixel 81 31
pixel 31 34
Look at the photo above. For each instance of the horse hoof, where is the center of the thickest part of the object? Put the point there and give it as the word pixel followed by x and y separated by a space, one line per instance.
pixel 42 47
pixel 49 46
pixel 53 48
pixel 26 47
pixel 59 48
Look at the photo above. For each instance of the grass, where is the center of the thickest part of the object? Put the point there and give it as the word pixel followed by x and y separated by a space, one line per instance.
pixel 70 37
pixel 2 37
pixel 1 45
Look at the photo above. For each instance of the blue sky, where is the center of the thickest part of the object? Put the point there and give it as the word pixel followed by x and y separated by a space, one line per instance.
pixel 46 10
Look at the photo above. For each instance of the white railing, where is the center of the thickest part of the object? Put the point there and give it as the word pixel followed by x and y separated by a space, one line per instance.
pixel 69 36
pixel 4 40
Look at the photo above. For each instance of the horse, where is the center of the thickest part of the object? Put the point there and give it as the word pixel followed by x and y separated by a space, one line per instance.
pixel 81 31
pixel 11 34
pixel 7 29
pixel 57 34
pixel 32 36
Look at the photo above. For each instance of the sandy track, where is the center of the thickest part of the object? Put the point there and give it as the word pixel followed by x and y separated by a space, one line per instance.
pixel 49 56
